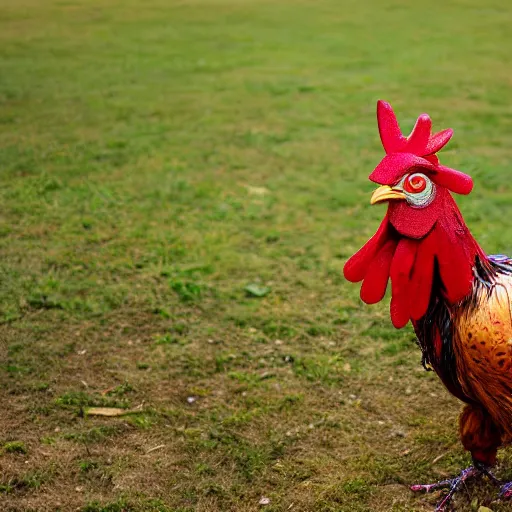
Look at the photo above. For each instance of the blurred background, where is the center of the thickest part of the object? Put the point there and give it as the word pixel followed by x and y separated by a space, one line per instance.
pixel 181 184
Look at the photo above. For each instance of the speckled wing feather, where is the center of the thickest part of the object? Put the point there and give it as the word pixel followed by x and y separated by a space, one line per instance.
pixel 483 342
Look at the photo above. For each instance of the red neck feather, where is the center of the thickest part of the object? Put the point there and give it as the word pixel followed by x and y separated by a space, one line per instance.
pixel 410 261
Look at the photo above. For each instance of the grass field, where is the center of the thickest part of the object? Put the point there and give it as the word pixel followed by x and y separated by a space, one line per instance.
pixel 181 184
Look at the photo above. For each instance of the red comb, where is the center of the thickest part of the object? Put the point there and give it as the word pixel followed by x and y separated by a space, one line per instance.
pixel 416 150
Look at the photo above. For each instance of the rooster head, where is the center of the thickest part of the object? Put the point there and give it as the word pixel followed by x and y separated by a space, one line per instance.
pixel 411 178
pixel 423 233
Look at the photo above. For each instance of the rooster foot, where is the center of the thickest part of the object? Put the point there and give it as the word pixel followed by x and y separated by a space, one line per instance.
pixel 454 484
pixel 506 491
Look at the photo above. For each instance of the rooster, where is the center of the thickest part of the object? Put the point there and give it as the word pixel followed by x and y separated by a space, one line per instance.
pixel 457 298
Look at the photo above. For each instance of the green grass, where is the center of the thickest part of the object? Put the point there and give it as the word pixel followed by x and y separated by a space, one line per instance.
pixel 181 184
pixel 14 447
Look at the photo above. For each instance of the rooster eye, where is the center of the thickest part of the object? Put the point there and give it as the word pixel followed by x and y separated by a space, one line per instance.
pixel 415 183
pixel 419 189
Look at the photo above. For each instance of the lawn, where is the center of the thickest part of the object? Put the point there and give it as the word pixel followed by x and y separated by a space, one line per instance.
pixel 181 184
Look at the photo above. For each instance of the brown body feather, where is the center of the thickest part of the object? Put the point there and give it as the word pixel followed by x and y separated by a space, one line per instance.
pixel 469 345
pixel 482 344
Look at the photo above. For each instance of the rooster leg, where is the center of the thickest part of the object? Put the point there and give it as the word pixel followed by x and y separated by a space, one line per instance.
pixel 481 437
pixel 454 484
pixel 484 470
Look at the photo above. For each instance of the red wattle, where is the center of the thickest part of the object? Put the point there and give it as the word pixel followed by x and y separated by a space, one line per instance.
pixel 415 222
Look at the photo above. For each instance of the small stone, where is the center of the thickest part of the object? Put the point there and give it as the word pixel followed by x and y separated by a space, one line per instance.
pixel 352 397
pixel 191 399
pixel 408 391
pixel 264 501
pixel 256 191
pixel 278 342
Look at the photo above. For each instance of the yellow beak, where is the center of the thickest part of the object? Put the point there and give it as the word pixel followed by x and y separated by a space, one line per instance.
pixel 385 193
